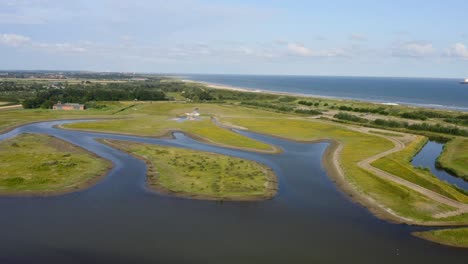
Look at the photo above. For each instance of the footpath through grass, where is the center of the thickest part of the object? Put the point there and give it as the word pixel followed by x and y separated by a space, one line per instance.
pixel 454 158
pixel 32 163
pixel 399 164
pixel 356 147
pixel 202 174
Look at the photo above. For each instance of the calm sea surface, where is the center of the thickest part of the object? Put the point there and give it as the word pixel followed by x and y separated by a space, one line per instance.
pixel 437 93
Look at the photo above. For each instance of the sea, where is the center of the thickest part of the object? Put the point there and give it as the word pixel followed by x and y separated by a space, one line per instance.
pixel 425 92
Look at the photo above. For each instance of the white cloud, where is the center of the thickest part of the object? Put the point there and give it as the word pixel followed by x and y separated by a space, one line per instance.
pixel 458 50
pixel 20 41
pixel 13 40
pixel 299 49
pixel 414 49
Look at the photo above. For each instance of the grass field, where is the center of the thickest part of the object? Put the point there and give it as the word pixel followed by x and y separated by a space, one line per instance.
pixel 11 118
pixel 36 164
pixel 202 174
pixel 451 237
pixel 155 119
pixel 385 133
pixel 454 158
pixel 399 164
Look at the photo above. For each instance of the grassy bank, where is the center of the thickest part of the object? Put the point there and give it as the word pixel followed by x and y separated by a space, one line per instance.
pixel 454 158
pixel 451 237
pixel 356 147
pixel 202 175
pixel 40 164
pixel 399 164
pixel 155 119
pixel 11 118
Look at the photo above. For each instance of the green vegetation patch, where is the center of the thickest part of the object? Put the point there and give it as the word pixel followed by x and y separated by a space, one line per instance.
pixel 155 119
pixel 457 237
pixel 203 174
pixel 454 158
pixel 33 163
pixel 398 163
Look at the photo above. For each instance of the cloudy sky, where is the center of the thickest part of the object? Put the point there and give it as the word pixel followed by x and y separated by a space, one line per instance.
pixel 359 37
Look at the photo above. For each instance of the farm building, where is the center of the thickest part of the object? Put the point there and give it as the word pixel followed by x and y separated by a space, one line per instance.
pixel 67 106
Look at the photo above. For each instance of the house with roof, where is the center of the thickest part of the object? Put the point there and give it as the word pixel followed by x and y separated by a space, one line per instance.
pixel 67 106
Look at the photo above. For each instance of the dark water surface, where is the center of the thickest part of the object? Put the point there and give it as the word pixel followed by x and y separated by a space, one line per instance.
pixel 120 221
pixel 426 158
pixel 428 92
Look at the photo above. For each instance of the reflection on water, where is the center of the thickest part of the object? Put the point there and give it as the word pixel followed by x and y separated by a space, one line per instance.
pixel 427 158
pixel 120 221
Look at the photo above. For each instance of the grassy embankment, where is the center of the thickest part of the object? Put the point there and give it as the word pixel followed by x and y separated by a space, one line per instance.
pixel 398 164
pixel 454 158
pixel 204 175
pixel 156 119
pixel 12 118
pixel 356 147
pixel 40 164
pixel 451 237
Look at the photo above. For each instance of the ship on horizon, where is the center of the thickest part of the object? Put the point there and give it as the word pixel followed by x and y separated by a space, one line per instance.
pixel 464 81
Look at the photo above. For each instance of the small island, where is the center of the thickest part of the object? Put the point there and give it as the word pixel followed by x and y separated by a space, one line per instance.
pixel 201 175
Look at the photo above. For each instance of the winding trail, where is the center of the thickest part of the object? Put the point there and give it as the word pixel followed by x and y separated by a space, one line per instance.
pixel 460 207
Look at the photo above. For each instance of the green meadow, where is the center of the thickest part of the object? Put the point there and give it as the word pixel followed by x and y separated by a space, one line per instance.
pixel 37 164
pixel 202 174
pixel 454 158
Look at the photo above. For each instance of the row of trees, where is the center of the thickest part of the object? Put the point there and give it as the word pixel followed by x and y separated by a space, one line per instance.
pixel 46 99
pixel 452 130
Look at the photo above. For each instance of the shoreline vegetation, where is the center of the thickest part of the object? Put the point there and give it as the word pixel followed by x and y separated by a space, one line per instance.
pixel 35 165
pixel 371 143
pixel 457 237
pixel 454 158
pixel 201 175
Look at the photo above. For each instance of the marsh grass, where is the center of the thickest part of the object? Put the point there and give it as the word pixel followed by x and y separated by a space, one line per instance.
pixel 454 158
pixel 399 164
pixel 457 237
pixel 39 163
pixel 203 174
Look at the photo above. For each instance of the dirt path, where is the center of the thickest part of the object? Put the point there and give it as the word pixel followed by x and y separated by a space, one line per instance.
pixel 400 145
pixel 11 107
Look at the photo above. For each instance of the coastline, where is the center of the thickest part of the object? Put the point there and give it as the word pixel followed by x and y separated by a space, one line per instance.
pixel 338 98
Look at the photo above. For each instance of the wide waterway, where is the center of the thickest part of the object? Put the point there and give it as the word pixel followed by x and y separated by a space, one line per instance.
pixel 119 220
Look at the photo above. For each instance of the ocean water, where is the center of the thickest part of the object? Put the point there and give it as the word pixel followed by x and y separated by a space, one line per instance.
pixel 428 92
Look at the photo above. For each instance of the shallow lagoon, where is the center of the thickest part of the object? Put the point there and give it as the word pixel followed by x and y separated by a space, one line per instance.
pixel 119 220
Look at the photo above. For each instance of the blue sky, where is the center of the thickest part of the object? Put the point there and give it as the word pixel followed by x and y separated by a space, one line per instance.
pixel 358 38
